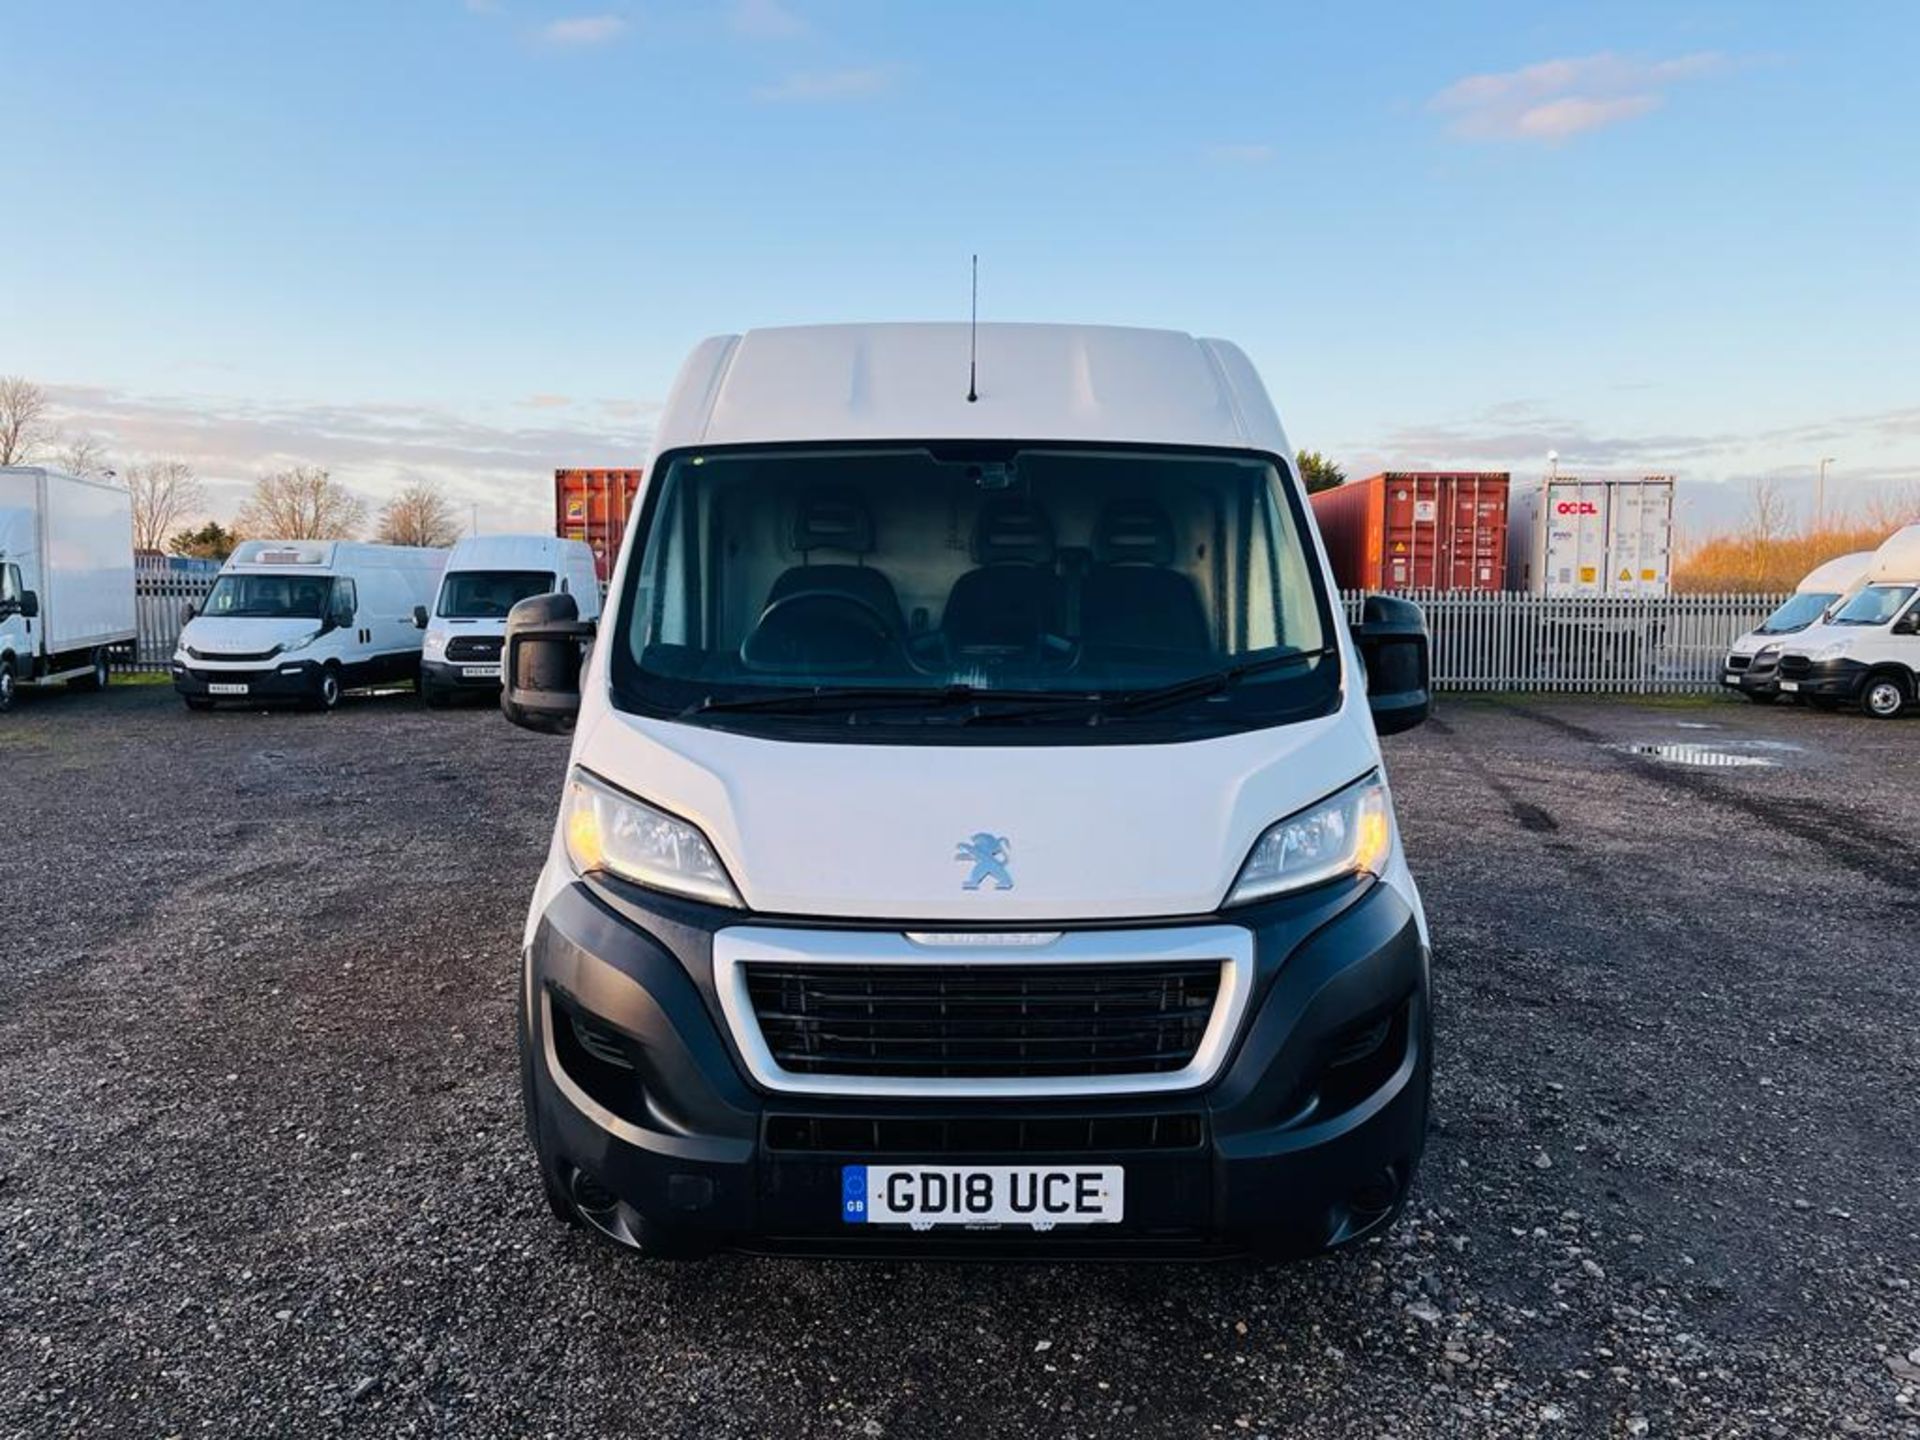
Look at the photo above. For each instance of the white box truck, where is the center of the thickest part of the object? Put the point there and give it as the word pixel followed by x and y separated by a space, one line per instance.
pixel 306 620
pixel 486 576
pixel 975 838
pixel 66 578
pixel 1568 536
pixel 1867 652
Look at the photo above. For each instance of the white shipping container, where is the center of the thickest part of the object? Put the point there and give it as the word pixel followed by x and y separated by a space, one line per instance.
pixel 1569 536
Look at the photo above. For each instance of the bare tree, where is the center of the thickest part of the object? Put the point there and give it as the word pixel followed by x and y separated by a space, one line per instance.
pixel 1766 511
pixel 1892 506
pixel 81 455
pixel 304 503
pixel 419 515
pixel 164 493
pixel 23 419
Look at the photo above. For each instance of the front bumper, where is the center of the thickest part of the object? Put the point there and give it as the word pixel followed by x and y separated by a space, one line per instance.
pixel 281 680
pixel 1824 679
pixel 452 675
pixel 1288 1151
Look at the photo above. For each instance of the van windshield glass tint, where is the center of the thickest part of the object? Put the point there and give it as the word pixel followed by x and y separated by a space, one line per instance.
pixel 1800 611
pixel 1875 605
pixel 974 586
pixel 279 597
pixel 490 594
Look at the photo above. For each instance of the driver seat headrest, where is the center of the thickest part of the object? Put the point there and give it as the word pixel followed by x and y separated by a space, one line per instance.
pixel 832 520
pixel 1012 530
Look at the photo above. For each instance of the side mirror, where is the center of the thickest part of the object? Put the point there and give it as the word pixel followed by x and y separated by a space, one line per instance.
pixel 1392 637
pixel 419 617
pixel 1908 624
pixel 30 604
pixel 189 613
pixel 541 663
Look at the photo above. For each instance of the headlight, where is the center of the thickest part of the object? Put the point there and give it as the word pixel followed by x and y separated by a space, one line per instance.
pixel 435 643
pixel 302 643
pixel 1833 651
pixel 615 834
pixel 1344 834
pixel 1773 649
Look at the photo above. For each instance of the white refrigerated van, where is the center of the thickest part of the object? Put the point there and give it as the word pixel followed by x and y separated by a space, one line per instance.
pixel 1867 652
pixel 66 578
pixel 486 576
pixel 1752 664
pixel 306 620
pixel 975 838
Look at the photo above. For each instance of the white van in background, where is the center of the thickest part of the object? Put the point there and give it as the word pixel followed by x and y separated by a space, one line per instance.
pixel 486 576
pixel 306 620
pixel 1867 652
pixel 66 578
pixel 1752 660
pixel 976 839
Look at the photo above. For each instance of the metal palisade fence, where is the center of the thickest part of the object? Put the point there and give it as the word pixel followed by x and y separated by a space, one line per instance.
pixel 1624 645
pixel 161 597
pixel 1481 641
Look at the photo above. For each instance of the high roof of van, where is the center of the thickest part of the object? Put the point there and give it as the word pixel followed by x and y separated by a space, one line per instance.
pixel 1898 557
pixel 510 552
pixel 1094 383
pixel 1838 575
pixel 329 556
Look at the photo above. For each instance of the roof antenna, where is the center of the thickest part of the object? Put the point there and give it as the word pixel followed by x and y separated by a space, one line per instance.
pixel 973 339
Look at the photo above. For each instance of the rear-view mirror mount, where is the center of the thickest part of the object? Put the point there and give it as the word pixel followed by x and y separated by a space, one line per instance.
pixel 541 663
pixel 1393 644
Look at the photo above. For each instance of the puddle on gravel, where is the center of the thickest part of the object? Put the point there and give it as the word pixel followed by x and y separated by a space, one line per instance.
pixel 1708 756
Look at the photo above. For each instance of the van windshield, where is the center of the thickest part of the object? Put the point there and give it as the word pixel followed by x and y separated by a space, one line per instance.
pixel 973 587
pixel 1799 611
pixel 1875 605
pixel 489 594
pixel 277 597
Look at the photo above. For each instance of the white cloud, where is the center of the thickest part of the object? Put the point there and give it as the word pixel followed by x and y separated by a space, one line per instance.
pixel 582 31
pixel 1555 99
pixel 765 20
pixel 827 86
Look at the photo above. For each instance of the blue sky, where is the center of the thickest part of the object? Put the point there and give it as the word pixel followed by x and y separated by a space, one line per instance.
pixel 472 239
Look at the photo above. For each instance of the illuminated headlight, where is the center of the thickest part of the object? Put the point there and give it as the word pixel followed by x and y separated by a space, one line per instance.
pixel 614 834
pixel 1833 651
pixel 1345 834
pixel 435 643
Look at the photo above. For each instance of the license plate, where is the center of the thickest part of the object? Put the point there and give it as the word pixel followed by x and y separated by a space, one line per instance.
pixel 1789 685
pixel 480 672
pixel 226 689
pixel 1730 678
pixel 1039 1196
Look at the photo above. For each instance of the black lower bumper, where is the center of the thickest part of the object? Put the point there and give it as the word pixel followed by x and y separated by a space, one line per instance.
pixel 288 681
pixel 1824 679
pixel 1296 1146
pixel 451 675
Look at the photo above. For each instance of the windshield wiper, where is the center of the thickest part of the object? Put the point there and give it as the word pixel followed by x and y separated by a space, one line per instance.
pixel 860 697
pixel 1214 682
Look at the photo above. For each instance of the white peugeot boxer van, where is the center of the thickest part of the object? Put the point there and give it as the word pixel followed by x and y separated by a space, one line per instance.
pixel 1753 659
pixel 306 620
pixel 976 838
pixel 486 576
pixel 1868 650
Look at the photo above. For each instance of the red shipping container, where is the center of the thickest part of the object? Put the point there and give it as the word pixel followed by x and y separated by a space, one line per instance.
pixel 592 505
pixel 1417 530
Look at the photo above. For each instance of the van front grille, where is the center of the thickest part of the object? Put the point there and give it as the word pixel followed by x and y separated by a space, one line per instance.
pixel 1795 667
pixel 984 1021
pixel 983 1134
pixel 474 647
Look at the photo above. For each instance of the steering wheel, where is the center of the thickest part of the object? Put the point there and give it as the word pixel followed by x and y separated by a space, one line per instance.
pixel 765 648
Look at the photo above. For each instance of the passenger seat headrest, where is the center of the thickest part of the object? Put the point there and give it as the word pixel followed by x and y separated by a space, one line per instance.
pixel 833 520
pixel 1134 532
pixel 1011 529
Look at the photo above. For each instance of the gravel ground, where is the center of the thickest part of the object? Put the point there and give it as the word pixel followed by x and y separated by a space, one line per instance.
pixel 261 1169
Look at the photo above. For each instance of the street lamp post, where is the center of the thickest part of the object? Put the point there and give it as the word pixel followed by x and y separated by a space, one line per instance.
pixel 1820 494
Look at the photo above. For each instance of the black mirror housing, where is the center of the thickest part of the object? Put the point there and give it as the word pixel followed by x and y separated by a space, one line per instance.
pixel 419 617
pixel 541 663
pixel 29 604
pixel 1393 643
